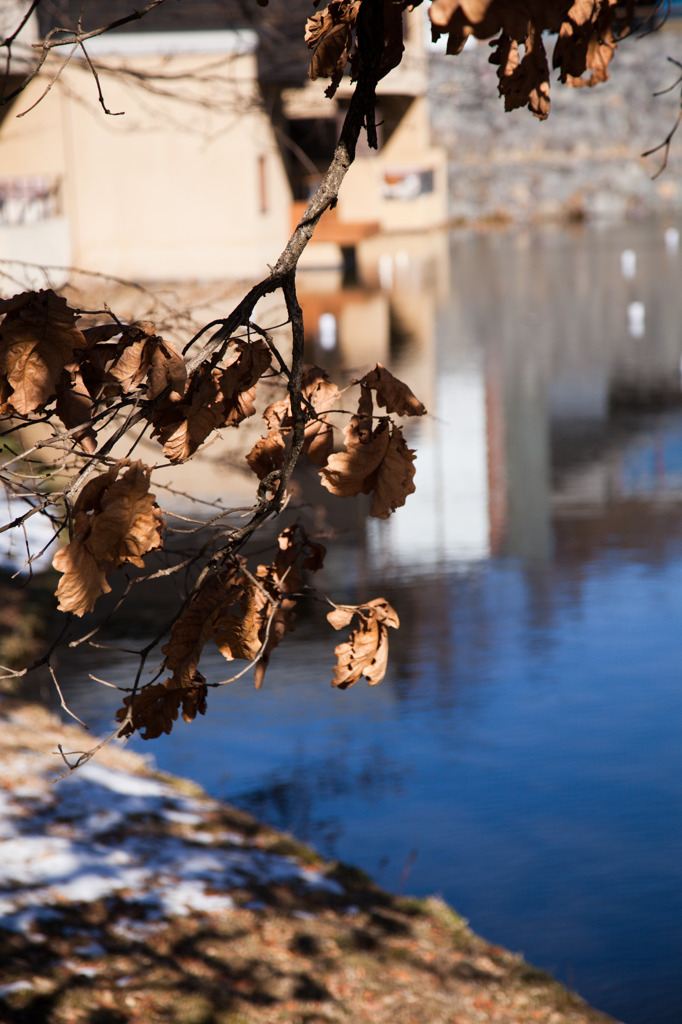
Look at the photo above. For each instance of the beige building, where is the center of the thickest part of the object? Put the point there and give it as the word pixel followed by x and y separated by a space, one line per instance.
pixel 182 161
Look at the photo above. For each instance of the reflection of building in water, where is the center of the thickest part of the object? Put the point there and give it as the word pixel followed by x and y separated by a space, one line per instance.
pixel 535 363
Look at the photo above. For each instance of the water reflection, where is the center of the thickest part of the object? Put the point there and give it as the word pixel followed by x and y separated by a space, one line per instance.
pixel 526 742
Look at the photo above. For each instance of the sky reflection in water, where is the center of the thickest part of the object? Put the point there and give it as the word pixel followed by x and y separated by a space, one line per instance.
pixel 523 757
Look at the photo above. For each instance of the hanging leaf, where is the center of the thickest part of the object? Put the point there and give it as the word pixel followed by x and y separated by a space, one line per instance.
pixel 155 708
pixel 166 370
pixel 75 406
pixel 212 399
pixel 183 426
pixel 392 394
pixel 38 338
pixel 319 393
pixel 523 82
pixel 366 651
pixel 115 521
pixel 329 34
pixel 382 464
pixel 237 382
pixel 220 599
pixel 267 455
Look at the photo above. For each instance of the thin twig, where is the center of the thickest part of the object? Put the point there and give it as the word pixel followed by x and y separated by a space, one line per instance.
pixel 61 698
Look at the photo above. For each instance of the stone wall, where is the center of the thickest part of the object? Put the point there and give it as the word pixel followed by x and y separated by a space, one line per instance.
pixel 584 160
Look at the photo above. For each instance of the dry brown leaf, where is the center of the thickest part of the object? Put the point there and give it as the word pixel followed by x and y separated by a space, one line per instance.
pixel 296 552
pixel 75 406
pixel 267 455
pixel 352 472
pixel 183 426
pixel 142 356
pixel 523 82
pixel 212 399
pixel 383 464
pixel 237 382
pixel 245 617
pixel 115 521
pixel 209 611
pixel 100 333
pixel 280 621
pixel 392 394
pixel 166 370
pixel 155 708
pixel 366 651
pixel 323 395
pixel 38 338
pixel 83 579
pixel 239 635
pixel 131 362
pixel 395 477
pixel 318 392
pixel 329 34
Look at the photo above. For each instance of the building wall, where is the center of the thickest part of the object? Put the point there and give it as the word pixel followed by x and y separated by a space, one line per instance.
pixel 404 186
pixel 188 184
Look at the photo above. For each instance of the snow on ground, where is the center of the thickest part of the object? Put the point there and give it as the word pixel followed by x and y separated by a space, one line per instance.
pixel 104 832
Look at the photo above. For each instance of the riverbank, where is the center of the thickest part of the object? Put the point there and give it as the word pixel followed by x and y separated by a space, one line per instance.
pixel 131 896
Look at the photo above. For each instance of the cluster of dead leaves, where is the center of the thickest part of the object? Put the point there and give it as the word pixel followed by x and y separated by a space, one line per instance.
pixel 332 36
pixel 212 398
pixel 247 616
pixel 48 362
pixel 45 357
pixel 115 520
pixel 586 41
pixel 375 459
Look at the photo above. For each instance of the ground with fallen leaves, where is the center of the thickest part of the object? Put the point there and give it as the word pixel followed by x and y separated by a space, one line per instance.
pixel 129 896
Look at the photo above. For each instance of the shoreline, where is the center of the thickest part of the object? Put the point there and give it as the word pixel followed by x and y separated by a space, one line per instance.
pixel 128 895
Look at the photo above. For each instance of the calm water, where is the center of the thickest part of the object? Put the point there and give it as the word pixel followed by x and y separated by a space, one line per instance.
pixel 523 758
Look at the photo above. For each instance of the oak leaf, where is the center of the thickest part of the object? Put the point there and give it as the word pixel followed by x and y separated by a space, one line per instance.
pixel 38 338
pixel 267 455
pixel 83 579
pixel 238 381
pixel 132 359
pixel 209 608
pixel 329 34
pixel 523 82
pixel 155 708
pixel 320 395
pixel 166 370
pixel 114 521
pixel 212 399
pixel 141 356
pixel 240 634
pixel 382 464
pixel 392 394
pixel 184 425
pixel 75 406
pixel 366 651
pixel 100 333
pixel 281 580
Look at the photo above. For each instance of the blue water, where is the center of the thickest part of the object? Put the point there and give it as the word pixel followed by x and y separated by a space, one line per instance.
pixel 532 776
pixel 523 757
